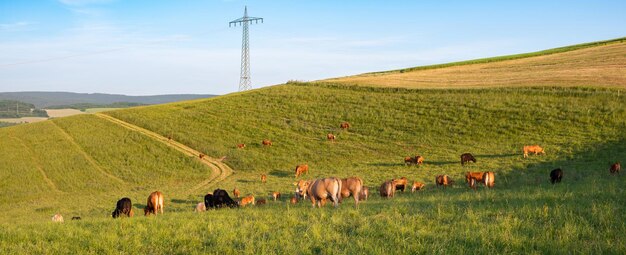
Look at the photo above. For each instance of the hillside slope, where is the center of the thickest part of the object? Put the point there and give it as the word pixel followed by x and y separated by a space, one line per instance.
pixel 603 65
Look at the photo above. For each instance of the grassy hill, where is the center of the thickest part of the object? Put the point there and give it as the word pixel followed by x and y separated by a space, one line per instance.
pixel 82 164
pixel 591 64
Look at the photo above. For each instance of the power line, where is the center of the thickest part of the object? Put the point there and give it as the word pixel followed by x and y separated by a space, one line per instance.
pixel 244 81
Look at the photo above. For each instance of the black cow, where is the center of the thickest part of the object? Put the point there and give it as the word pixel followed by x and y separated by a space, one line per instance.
pixel 218 199
pixel 467 157
pixel 556 175
pixel 124 206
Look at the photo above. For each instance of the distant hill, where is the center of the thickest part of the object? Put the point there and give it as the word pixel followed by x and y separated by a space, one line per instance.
pixel 51 99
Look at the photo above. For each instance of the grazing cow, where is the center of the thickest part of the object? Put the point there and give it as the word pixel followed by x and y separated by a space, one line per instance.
pixel 123 207
pixel 408 160
pixel 293 200
pixel 443 180
pixel 417 186
pixel 57 218
pixel 344 125
pixel 155 204
pixel 236 193
pixel 419 160
pixel 201 156
pixel 387 189
pixel 200 207
pixel 241 146
pixel 276 195
pixel 320 190
pixel 467 157
pixel 330 137
pixel 489 179
pixel 263 178
pixel 261 201
pixel 247 200
pixel 615 168
pixel 401 184
pixel 533 149
pixel 301 169
pixel 351 186
pixel 476 175
pixel 220 198
pixel 267 142
pixel 76 218
pixel 365 193
pixel 556 175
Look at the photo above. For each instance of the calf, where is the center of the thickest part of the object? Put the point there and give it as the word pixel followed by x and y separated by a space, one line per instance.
pixel 417 186
pixel 57 218
pixel 344 125
pixel 276 195
pixel 247 200
pixel 533 149
pixel 200 207
pixel 614 169
pixel 467 157
pixel 266 142
pixel 330 137
pixel 154 204
pixel 236 193
pixel 401 184
pixel 293 200
pixel 123 207
pixel 419 160
pixel 76 218
pixel 241 146
pixel 365 193
pixel 301 169
pixel 443 180
pixel 556 175
pixel 263 178
pixel 387 189
pixel 408 160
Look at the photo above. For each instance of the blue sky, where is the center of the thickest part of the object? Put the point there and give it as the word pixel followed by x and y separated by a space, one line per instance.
pixel 170 47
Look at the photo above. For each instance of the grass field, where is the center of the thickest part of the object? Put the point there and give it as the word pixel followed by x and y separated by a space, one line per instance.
pixel 82 164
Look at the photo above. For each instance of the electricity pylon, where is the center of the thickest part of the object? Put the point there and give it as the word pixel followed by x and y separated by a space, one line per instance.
pixel 244 82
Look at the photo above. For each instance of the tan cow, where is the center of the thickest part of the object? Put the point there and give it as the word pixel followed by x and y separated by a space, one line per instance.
pixel 236 193
pixel 200 207
pixel 489 179
pixel 301 169
pixel 344 125
pixel 263 178
pixel 417 186
pixel 320 190
pixel 267 142
pixel 533 149
pixel 476 175
pixel 154 204
pixel 387 189
pixel 330 137
pixel 351 186
pixel 401 184
pixel 276 195
pixel 419 160
pixel 443 180
pixel 57 218
pixel 247 200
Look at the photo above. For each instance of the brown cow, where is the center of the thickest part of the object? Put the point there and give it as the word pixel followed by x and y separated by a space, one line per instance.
pixel 263 178
pixel 241 146
pixel 330 137
pixel 320 190
pixel 276 195
pixel 489 179
pixel 344 125
pixel 154 204
pixel 200 207
pixel 387 189
pixel 236 193
pixel 409 160
pixel 351 186
pixel 267 142
pixel 443 180
pixel 365 193
pixel 247 200
pixel 476 175
pixel 301 169
pixel 401 184
pixel 533 149
pixel 615 168
pixel 417 186
pixel 261 201
pixel 201 156
pixel 294 200
pixel 419 159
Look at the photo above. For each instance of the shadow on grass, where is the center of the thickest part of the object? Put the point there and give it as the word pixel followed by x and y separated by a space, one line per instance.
pixel 182 201
pixel 279 173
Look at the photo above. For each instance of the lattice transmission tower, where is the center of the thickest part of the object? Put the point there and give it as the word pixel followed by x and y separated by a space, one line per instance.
pixel 244 82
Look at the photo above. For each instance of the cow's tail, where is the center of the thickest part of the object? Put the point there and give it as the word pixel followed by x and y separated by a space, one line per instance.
pixel 337 192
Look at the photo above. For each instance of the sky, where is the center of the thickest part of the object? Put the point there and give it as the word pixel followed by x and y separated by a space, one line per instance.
pixel 186 47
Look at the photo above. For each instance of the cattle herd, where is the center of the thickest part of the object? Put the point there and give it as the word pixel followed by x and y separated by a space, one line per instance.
pixel 319 191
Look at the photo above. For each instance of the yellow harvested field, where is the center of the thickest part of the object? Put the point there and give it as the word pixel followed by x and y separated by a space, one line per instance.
pixel 603 66
pixel 57 113
pixel 24 120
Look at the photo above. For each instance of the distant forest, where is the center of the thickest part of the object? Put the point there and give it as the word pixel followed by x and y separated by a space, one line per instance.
pixel 17 109
pixel 44 100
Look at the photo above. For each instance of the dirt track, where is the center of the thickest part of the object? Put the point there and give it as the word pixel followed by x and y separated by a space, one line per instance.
pixel 219 170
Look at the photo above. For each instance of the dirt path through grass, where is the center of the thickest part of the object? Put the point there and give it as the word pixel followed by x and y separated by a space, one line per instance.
pixel 219 170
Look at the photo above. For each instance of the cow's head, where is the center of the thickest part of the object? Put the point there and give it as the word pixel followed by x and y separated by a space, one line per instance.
pixel 301 187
